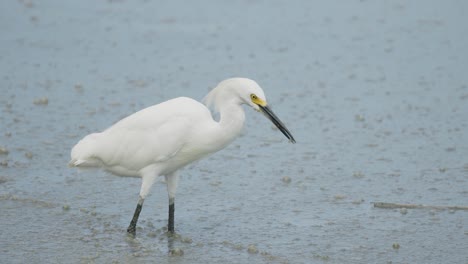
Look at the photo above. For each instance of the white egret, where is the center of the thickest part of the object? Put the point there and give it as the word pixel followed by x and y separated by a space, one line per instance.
pixel 161 139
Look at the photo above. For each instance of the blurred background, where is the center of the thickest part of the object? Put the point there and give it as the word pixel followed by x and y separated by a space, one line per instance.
pixel 375 93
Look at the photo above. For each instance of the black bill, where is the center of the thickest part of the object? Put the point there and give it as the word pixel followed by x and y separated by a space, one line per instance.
pixel 268 113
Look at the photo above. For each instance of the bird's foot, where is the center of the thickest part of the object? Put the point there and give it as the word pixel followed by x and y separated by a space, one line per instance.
pixel 131 230
pixel 171 233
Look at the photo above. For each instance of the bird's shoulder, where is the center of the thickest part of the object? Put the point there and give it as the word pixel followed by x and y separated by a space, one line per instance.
pixel 178 110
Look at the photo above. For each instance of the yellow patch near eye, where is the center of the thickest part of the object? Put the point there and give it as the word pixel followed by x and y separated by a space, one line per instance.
pixel 257 100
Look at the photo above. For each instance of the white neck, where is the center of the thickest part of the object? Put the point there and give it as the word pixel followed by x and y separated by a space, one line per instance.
pixel 231 122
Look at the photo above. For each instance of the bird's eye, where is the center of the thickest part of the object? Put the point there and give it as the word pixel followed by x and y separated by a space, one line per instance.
pixel 253 97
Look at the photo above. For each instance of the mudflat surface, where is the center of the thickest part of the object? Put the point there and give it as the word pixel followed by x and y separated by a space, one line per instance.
pixel 376 95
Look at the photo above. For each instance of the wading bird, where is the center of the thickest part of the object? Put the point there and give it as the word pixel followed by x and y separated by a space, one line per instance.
pixel 161 139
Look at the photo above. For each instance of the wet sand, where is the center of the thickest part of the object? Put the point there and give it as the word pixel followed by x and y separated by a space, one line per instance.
pixel 376 95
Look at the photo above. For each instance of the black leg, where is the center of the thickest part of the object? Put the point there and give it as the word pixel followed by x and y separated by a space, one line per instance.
pixel 132 227
pixel 170 224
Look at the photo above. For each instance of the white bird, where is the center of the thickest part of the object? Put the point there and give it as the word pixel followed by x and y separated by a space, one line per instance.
pixel 163 138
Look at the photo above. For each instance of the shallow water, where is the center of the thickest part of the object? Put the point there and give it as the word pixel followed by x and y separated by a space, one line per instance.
pixel 375 94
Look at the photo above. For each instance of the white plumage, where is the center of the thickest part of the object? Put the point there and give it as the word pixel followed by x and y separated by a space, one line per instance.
pixel 151 136
pixel 160 139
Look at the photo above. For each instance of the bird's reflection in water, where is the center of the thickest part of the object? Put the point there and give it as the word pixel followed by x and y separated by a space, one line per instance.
pixel 136 246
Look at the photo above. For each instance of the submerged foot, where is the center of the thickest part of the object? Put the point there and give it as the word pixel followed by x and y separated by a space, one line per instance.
pixel 131 230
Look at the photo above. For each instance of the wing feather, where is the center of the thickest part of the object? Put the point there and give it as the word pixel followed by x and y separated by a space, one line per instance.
pixel 152 135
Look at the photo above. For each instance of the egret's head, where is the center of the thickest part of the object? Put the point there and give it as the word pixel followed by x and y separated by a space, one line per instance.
pixel 246 91
pixel 249 92
pixel 237 90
